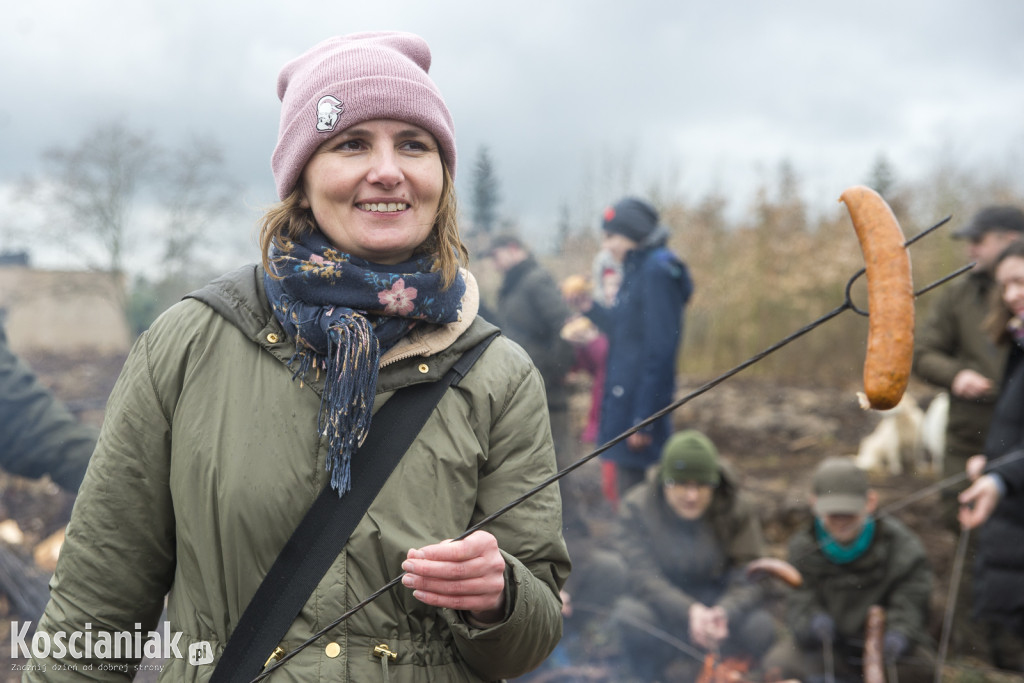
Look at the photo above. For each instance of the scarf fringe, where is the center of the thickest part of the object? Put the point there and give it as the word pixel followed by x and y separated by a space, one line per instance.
pixel 350 383
pixel 353 358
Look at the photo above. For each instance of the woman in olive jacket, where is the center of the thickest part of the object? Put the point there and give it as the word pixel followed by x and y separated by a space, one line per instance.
pixel 244 401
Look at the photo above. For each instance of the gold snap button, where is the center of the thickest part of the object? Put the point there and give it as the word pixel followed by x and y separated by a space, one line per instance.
pixel 273 338
pixel 460 316
pixel 424 368
pixel 332 650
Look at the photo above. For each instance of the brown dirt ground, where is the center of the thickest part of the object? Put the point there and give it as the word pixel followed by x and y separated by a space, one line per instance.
pixel 771 434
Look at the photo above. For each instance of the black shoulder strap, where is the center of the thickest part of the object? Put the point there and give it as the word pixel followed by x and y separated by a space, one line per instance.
pixel 309 552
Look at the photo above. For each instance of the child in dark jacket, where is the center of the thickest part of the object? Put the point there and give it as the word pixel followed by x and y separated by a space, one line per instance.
pixel 850 560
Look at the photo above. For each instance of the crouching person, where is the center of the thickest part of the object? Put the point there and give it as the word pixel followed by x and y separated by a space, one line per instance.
pixel 851 560
pixel 687 534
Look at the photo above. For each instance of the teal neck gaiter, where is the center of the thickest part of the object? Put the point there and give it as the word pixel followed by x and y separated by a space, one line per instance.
pixel 838 553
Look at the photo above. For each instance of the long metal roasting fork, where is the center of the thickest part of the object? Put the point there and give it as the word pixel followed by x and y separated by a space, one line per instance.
pixel 846 305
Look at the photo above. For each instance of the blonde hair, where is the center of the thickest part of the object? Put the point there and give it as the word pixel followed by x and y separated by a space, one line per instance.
pixel 289 220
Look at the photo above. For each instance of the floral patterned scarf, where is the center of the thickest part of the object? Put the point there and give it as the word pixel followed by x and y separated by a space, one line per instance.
pixel 343 313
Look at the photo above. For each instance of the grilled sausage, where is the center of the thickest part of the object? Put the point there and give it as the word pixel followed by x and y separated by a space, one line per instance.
pixel 775 567
pixel 890 297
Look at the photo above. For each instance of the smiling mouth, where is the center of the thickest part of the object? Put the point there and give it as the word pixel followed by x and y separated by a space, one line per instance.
pixel 382 206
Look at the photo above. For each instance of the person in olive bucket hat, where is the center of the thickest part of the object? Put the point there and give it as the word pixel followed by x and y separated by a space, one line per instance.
pixel 850 560
pixel 695 532
pixel 644 327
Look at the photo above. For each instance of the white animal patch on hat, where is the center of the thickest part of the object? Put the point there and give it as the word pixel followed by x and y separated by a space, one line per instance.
pixel 328 109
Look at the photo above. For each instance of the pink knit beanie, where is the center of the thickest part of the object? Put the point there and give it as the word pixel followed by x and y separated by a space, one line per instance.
pixel 348 79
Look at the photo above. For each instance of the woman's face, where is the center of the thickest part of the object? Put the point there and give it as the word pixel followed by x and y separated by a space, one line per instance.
pixel 1010 276
pixel 374 189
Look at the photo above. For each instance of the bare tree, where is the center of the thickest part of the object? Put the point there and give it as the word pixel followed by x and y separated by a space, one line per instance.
pixel 194 190
pixel 117 188
pixel 92 188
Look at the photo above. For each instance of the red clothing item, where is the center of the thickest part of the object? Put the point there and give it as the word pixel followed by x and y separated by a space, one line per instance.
pixel 592 358
pixel 609 483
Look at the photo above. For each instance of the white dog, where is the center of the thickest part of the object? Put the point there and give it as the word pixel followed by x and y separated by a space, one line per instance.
pixel 896 439
pixel 933 430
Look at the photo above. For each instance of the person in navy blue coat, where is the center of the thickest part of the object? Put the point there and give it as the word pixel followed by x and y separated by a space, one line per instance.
pixel 644 328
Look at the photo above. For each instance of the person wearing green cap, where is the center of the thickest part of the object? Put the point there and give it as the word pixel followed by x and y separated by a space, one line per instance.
pixel 687 534
pixel 851 559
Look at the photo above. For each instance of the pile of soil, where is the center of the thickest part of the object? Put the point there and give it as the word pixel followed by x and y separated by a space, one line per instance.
pixel 771 434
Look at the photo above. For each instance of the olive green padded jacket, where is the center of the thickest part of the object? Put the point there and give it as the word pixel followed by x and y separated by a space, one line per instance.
pixel 209 457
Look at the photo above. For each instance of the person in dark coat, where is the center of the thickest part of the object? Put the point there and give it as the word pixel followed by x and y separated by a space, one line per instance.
pixel 644 329
pixel 995 501
pixel 953 351
pixel 687 534
pixel 38 435
pixel 850 560
pixel 531 312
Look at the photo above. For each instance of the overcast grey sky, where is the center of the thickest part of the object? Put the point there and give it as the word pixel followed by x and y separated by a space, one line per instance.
pixel 691 95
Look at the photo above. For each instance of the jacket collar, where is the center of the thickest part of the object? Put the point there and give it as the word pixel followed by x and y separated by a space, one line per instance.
pixel 428 340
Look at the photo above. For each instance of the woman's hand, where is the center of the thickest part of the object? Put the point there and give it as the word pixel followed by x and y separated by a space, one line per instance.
pixel 976 466
pixel 969 384
pixel 579 330
pixel 709 626
pixel 637 441
pixel 978 502
pixel 466 575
